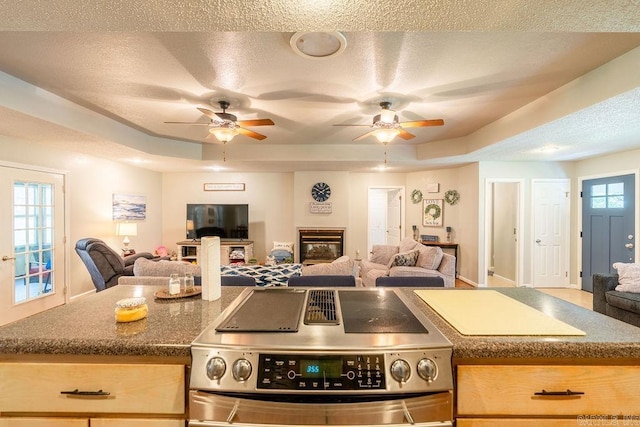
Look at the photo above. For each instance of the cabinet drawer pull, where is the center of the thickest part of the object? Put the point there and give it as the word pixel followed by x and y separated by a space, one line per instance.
pixel 558 393
pixel 77 392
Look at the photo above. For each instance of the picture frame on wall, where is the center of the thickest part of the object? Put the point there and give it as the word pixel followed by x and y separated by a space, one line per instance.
pixel 129 207
pixel 432 212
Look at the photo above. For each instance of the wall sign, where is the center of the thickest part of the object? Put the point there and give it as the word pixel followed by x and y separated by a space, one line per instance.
pixel 320 207
pixel 432 212
pixel 224 186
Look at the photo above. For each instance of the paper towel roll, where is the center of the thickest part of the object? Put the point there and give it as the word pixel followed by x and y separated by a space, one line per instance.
pixel 210 268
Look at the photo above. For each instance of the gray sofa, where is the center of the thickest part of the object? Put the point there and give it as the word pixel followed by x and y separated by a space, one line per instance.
pixel 623 306
pixel 431 262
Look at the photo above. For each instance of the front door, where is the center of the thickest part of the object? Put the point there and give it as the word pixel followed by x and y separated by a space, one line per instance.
pixel 32 262
pixel 608 230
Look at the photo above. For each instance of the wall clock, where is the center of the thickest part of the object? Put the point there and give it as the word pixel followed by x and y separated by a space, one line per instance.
pixel 320 192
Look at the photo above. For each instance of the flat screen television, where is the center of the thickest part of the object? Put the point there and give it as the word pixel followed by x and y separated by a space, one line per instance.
pixel 222 220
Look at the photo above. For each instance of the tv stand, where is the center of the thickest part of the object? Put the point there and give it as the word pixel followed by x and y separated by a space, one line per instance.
pixel 231 251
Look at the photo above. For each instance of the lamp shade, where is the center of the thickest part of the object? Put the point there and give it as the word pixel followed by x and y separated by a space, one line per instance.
pixel 127 229
pixel 224 134
pixel 190 225
pixel 386 135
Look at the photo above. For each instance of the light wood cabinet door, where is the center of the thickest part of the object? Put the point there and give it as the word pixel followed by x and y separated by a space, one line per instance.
pixel 44 422
pixel 131 388
pixel 115 422
pixel 526 390
pixel 519 422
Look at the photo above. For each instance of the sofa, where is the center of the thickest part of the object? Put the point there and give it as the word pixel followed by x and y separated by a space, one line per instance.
pixel 157 273
pixel 614 299
pixel 409 259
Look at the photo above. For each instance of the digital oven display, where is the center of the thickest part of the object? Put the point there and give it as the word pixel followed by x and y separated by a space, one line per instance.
pixel 320 368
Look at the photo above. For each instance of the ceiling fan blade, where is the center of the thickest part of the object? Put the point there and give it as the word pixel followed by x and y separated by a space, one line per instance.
pixel 251 133
pixel 363 136
pixel 256 122
pixel 422 123
pixel 188 123
pixel 405 135
pixel 208 113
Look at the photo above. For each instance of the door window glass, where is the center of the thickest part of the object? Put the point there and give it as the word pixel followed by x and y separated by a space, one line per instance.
pixel 32 239
pixel 607 196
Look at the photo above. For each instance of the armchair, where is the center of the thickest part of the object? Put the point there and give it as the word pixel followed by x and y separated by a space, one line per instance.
pixel 104 264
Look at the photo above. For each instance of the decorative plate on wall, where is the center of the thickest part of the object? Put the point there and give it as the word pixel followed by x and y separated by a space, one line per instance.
pixel 451 197
pixel 416 196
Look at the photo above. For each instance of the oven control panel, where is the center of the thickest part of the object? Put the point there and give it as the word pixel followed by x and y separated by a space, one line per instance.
pixel 321 372
pixel 358 372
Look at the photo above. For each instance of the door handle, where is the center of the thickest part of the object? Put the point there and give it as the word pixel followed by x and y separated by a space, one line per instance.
pixel 629 246
pixel 538 241
pixel 7 258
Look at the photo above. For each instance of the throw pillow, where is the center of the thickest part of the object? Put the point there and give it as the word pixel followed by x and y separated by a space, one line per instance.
pixel 381 254
pixel 407 244
pixel 429 257
pixel 628 277
pixel 281 256
pixel 163 268
pixel 283 246
pixel 404 259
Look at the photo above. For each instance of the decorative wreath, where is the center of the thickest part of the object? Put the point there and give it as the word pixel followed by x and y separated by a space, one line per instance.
pixel 416 196
pixel 436 211
pixel 451 197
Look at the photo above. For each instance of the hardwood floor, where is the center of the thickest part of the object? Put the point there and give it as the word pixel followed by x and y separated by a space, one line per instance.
pixel 575 296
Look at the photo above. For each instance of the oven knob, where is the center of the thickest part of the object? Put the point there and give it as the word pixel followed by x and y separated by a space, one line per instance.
pixel 216 368
pixel 400 371
pixel 427 369
pixel 241 370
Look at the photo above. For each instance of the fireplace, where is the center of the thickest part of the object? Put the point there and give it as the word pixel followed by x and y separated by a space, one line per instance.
pixel 318 246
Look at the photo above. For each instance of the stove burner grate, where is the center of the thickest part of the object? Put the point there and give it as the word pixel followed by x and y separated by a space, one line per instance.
pixel 321 308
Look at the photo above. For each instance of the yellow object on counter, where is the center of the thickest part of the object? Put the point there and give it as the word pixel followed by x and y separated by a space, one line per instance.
pixel 131 309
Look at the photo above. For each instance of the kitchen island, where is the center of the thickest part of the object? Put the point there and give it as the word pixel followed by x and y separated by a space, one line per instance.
pixel 84 337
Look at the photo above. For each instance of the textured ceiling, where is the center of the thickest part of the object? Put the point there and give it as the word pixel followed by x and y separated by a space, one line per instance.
pixel 508 80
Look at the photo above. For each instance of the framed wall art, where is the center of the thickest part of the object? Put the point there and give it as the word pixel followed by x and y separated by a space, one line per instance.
pixel 432 212
pixel 129 207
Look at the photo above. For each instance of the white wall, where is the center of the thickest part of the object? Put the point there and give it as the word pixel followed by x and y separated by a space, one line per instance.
pixel 91 184
pixel 269 196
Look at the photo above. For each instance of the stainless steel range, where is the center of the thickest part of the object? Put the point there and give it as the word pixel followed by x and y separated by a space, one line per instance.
pixel 320 356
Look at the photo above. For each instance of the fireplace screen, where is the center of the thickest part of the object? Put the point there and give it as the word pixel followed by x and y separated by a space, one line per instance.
pixel 318 246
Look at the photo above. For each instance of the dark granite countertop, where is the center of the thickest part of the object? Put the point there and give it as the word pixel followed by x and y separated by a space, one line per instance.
pixel 88 327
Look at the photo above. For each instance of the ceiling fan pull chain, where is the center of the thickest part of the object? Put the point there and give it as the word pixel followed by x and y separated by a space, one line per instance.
pixel 224 152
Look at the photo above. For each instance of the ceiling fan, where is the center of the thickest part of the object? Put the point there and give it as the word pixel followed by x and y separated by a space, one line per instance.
pixel 387 126
pixel 225 126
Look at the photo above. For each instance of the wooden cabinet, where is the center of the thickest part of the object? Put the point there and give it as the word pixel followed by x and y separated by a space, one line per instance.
pixel 544 391
pixel 145 390
pixel 230 251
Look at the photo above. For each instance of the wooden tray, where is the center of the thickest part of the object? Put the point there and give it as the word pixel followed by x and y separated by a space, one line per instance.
pixel 164 293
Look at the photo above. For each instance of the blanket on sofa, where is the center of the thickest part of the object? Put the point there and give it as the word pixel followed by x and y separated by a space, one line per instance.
pixel 264 275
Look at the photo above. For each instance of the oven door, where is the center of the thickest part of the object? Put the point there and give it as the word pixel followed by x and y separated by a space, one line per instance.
pixel 209 409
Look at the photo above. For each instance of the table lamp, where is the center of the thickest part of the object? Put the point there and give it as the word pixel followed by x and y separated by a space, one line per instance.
pixel 126 229
pixel 190 228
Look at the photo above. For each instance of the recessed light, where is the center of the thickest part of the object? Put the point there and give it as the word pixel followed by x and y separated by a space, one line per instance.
pixel 318 45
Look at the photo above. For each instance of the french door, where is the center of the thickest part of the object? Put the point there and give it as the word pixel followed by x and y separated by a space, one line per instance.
pixel 32 260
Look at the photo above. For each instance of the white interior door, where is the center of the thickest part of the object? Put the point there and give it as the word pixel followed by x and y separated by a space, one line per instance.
pixel 394 217
pixel 551 201
pixel 32 254
pixel 385 216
